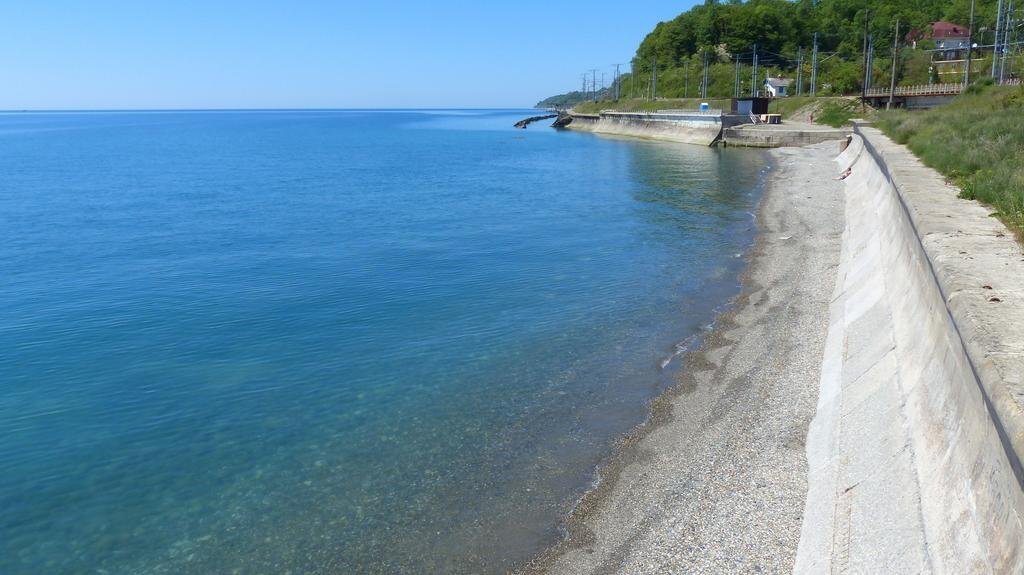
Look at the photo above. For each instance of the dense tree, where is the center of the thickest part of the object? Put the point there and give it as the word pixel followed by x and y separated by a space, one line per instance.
pixel 780 28
pixel 728 30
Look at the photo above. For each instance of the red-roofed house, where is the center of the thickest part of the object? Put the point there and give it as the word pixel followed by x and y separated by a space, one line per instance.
pixel 951 40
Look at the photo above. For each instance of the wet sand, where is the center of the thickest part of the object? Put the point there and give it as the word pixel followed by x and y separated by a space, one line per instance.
pixel 715 481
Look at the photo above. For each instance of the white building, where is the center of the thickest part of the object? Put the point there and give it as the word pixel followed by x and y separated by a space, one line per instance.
pixel 777 87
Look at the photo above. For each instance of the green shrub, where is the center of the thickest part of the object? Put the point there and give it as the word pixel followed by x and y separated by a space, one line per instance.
pixel 977 141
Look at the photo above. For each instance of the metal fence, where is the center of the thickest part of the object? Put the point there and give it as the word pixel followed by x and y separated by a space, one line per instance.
pixel 922 90
pixel 930 89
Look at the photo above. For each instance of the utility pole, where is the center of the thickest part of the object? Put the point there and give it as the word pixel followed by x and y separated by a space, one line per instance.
pixel 632 74
pixel 1008 24
pixel 686 78
pixel 814 66
pixel 995 41
pixel 871 61
pixel 970 48
pixel 753 75
pixel 654 80
pixel 895 57
pixel 593 82
pixel 704 79
pixel 707 73
pixel 736 82
pixel 616 82
pixel 863 83
pixel 704 65
pixel 800 71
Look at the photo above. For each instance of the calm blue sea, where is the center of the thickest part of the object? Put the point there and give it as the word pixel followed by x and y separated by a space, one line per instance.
pixel 335 341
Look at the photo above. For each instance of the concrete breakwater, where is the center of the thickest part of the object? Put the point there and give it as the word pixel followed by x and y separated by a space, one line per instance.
pixel 704 128
pixel 522 124
pixel 913 454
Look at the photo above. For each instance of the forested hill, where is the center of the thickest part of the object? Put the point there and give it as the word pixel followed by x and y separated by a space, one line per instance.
pixel 782 26
pixel 783 30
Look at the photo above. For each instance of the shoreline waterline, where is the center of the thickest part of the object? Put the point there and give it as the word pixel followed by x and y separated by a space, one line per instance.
pixel 586 529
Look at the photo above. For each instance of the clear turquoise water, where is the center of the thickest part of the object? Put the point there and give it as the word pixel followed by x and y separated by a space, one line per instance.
pixel 335 342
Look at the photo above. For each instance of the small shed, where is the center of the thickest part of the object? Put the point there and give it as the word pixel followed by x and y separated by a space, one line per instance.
pixel 750 105
pixel 777 87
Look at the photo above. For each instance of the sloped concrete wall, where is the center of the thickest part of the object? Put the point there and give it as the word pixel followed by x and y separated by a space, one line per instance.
pixel 910 468
pixel 778 136
pixel 697 129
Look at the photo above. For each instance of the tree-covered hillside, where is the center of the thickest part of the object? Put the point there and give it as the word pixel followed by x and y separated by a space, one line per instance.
pixel 725 34
pixel 567 100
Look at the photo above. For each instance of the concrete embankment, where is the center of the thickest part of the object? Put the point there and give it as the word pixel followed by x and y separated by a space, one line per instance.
pixel 704 128
pixel 913 455
pixel 781 135
pixel 693 128
pixel 903 339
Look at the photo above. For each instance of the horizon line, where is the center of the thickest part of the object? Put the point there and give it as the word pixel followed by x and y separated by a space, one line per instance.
pixel 351 109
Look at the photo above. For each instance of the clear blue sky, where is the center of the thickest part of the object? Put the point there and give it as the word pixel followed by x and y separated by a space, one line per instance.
pixel 313 53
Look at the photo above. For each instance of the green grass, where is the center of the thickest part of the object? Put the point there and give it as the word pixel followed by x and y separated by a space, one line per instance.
pixel 837 113
pixel 790 105
pixel 834 111
pixel 977 141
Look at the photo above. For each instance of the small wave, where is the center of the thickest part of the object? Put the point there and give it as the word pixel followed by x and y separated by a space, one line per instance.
pixel 683 346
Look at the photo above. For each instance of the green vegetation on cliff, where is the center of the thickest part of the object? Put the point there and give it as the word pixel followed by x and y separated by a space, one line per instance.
pixel 563 101
pixel 783 31
pixel 977 141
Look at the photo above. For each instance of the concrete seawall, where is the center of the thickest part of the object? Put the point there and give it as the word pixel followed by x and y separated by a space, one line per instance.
pixel 704 128
pixel 696 128
pixel 781 135
pixel 913 453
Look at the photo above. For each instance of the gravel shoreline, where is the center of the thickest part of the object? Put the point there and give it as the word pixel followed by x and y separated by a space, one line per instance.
pixel 715 481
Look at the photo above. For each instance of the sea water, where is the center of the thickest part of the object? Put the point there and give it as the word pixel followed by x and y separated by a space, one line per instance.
pixel 335 341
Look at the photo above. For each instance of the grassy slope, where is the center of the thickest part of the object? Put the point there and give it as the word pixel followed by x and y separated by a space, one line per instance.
pixel 977 141
pixel 833 111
